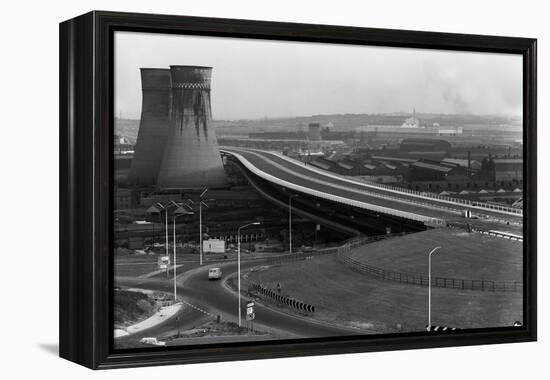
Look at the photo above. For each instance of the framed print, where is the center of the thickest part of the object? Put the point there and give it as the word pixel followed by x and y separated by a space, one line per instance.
pixel 238 189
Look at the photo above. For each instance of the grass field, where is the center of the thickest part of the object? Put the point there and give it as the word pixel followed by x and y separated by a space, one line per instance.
pixel 135 265
pixel 462 255
pixel 350 298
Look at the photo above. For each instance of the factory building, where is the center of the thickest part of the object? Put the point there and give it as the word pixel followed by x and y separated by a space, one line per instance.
pixel 426 170
pixel 507 169
pixel 314 132
pixel 123 198
pixel 502 169
pixel 424 145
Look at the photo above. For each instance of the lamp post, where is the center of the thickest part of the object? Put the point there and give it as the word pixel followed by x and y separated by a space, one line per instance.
pixel 165 208
pixel 430 285
pixel 239 263
pixel 179 212
pixel 159 208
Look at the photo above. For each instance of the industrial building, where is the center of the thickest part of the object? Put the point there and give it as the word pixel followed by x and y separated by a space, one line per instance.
pixel 507 169
pixel 314 132
pixel 425 170
pixel 424 145
pixel 502 169
pixel 123 198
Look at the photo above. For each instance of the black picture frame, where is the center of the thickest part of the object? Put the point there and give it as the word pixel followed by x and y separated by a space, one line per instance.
pixel 86 130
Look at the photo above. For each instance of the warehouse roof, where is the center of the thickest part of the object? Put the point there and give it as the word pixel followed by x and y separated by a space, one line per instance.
pixel 430 166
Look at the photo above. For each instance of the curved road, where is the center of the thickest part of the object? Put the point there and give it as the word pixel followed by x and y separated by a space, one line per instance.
pixel 214 298
pixel 306 176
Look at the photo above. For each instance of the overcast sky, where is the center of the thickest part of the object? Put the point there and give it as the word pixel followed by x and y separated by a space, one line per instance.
pixel 258 78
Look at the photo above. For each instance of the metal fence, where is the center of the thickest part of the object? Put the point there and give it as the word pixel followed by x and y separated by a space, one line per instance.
pixel 353 242
pixel 428 195
pixel 452 200
pixel 440 282
pixel 469 228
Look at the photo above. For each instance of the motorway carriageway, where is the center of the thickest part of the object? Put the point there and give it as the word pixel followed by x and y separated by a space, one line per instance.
pixel 306 176
pixel 213 298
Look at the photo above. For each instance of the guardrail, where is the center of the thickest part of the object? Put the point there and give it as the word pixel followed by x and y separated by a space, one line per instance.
pixel 440 282
pixel 504 235
pixel 335 198
pixel 444 198
pixel 353 242
pixel 276 296
pixel 424 194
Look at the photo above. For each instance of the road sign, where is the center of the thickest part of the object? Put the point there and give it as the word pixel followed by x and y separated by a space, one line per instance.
pixel 163 262
pixel 250 315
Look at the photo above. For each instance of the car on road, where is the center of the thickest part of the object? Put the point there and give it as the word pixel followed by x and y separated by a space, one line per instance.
pixel 214 273
pixel 152 340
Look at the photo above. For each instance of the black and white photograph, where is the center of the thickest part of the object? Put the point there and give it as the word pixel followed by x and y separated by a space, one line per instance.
pixel 278 190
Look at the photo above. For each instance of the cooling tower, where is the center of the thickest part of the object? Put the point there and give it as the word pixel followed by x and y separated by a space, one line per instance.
pixel 191 158
pixel 153 127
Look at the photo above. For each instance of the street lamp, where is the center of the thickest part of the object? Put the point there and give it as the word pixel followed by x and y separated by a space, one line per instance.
pixel 201 203
pixel 430 285
pixel 179 212
pixel 159 207
pixel 239 263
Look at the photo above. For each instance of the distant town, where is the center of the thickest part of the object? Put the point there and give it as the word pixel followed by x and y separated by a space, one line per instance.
pixel 466 156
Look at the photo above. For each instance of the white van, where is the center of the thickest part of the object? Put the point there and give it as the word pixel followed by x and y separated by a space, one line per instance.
pixel 214 273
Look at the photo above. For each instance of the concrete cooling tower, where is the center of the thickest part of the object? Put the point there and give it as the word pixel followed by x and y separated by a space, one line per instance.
pixel 153 127
pixel 191 158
